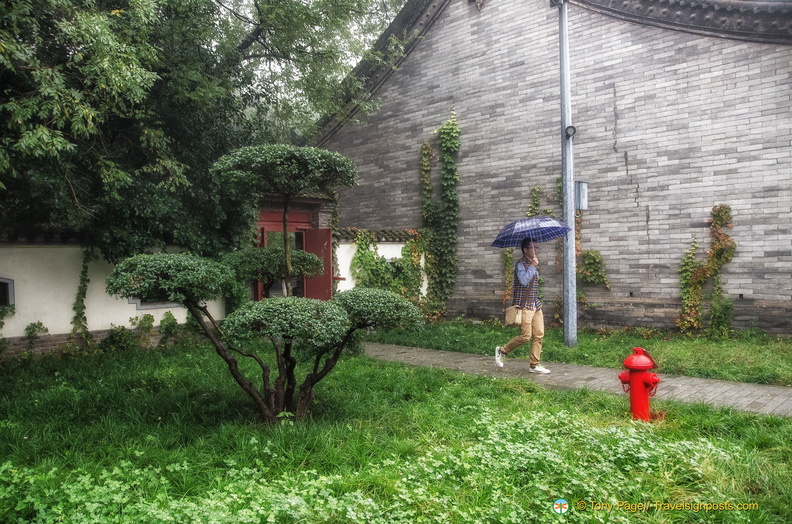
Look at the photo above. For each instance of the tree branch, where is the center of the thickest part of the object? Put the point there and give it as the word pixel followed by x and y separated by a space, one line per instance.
pixel 265 412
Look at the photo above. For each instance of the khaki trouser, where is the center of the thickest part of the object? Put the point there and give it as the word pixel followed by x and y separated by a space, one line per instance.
pixel 531 329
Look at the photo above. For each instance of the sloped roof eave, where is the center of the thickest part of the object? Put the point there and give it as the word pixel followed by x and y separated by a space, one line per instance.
pixel 767 21
pixel 412 22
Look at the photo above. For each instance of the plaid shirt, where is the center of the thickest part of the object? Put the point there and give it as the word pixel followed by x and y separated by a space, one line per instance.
pixel 526 296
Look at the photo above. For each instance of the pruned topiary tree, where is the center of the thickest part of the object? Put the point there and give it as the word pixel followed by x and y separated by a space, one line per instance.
pixel 315 331
pixel 304 330
pixel 268 265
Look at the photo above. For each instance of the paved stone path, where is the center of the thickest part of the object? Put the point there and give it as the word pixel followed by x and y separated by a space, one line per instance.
pixel 756 398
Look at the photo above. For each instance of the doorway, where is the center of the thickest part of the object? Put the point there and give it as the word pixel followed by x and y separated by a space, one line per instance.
pixel 301 236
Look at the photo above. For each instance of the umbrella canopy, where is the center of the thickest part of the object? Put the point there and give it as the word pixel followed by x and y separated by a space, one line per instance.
pixel 541 229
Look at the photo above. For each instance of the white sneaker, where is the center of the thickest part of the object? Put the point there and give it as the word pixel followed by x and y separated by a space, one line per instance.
pixel 498 357
pixel 538 369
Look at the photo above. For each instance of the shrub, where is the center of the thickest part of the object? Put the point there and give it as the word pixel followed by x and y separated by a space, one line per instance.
pixel 303 329
pixel 378 308
pixel 307 323
pixel 120 339
pixel 268 265
pixel 163 277
pixel 168 328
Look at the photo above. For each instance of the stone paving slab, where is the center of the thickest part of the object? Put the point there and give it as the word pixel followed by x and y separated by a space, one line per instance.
pixel 755 398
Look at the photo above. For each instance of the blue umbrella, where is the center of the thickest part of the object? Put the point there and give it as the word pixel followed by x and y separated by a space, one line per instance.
pixel 541 229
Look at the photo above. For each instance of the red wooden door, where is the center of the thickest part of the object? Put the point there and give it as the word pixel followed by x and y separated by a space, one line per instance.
pixel 316 241
pixel 320 243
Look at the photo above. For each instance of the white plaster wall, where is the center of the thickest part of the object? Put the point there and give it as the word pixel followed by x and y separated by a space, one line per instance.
pixel 344 254
pixel 45 286
pixel 46 279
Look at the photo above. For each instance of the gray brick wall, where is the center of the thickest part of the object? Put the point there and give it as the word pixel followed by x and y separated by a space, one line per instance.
pixel 669 124
pixel 59 344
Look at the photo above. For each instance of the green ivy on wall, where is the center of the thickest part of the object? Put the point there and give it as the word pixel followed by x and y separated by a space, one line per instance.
pixel 400 275
pixel 436 242
pixel 441 220
pixel 80 321
pixel 5 311
pixel 694 275
pixel 592 268
pixel 534 202
pixel 427 204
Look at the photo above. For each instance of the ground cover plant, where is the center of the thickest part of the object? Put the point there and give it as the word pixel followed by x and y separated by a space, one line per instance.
pixel 162 435
pixel 747 356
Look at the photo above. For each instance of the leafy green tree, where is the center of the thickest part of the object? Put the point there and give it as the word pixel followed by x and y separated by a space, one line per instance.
pixel 304 330
pixel 287 172
pixel 114 111
pixel 96 100
pixel 303 53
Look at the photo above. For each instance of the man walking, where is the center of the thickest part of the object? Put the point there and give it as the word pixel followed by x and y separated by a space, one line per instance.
pixel 526 297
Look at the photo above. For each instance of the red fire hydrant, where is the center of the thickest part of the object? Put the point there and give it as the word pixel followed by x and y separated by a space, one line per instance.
pixel 639 382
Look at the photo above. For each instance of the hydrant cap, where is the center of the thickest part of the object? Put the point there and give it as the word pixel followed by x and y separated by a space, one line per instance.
pixel 639 360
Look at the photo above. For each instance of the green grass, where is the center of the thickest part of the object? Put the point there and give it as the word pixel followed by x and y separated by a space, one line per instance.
pixel 165 435
pixel 749 357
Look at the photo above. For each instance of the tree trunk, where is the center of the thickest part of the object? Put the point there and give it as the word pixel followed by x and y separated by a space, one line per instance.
pixel 306 394
pixel 291 380
pixel 305 398
pixel 267 415
pixel 287 248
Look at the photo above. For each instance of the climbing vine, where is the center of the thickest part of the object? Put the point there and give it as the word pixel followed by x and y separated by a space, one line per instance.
pixel 79 321
pixel 441 220
pixel 427 204
pixel 592 268
pixel 534 202
pixel 721 311
pixel 33 332
pixel 5 311
pixel 437 240
pixel 691 282
pixel 694 275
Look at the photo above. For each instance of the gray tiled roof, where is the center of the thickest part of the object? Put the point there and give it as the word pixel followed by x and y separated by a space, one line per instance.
pixel 758 21
pixel 349 234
